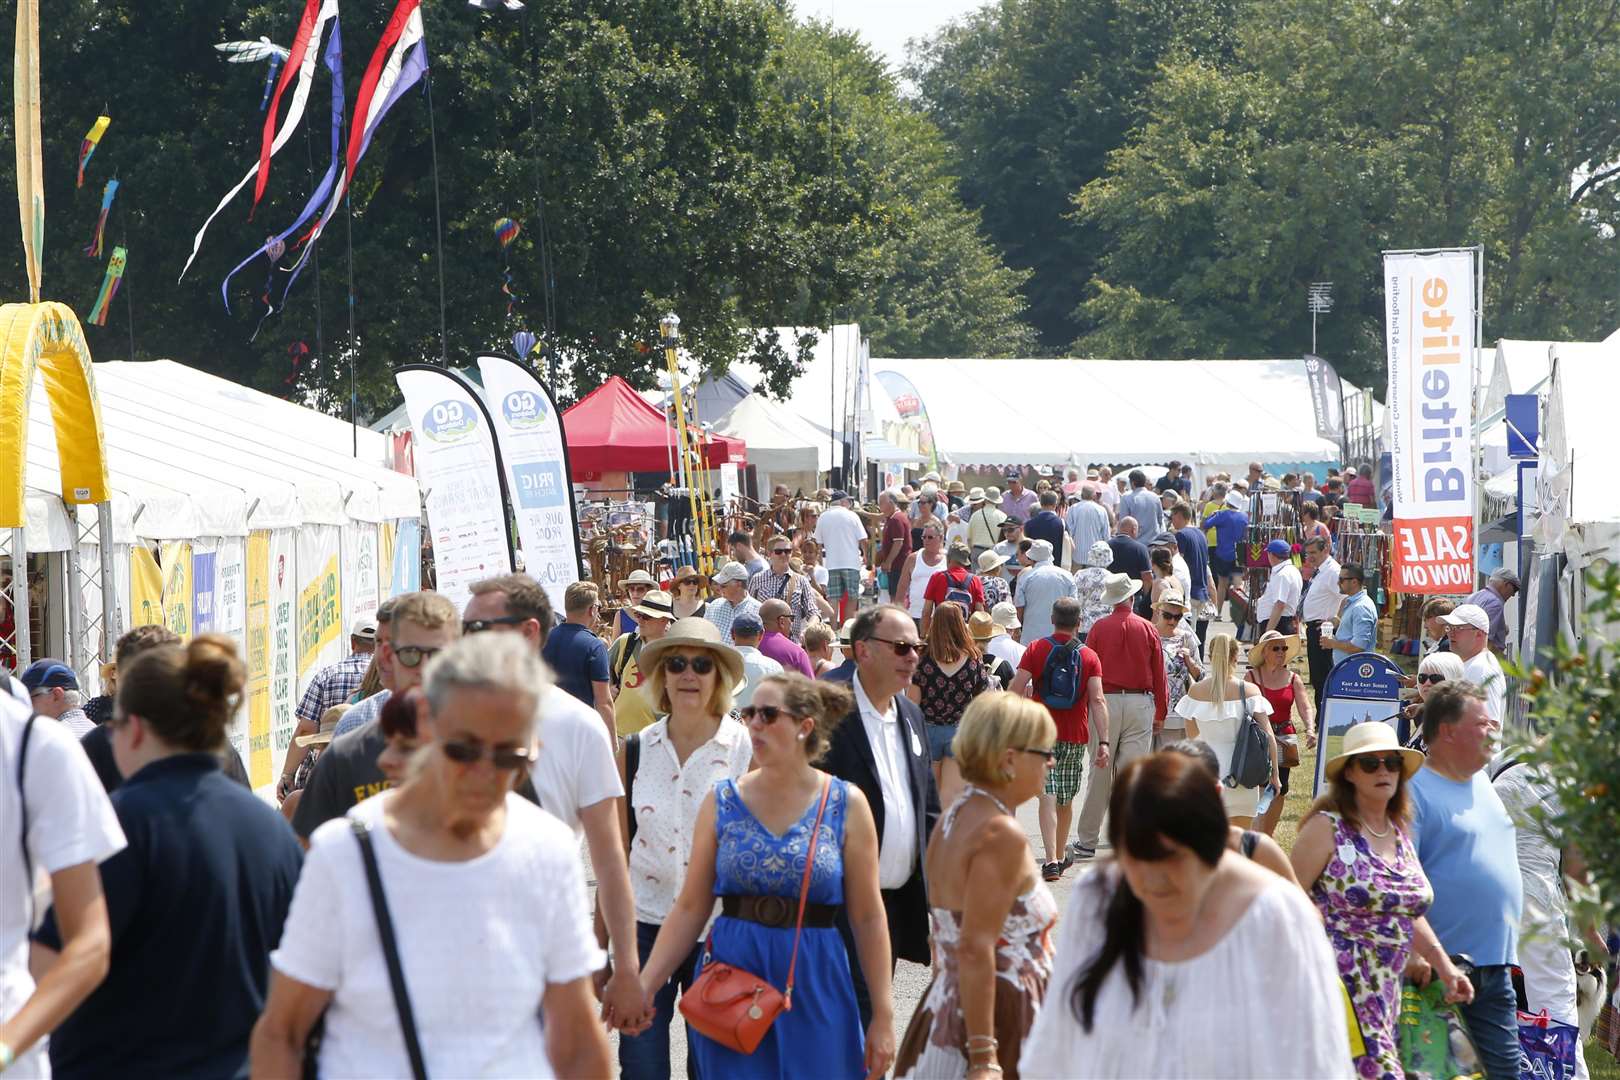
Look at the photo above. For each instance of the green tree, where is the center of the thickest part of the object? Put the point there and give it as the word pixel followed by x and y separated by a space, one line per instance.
pixel 675 175
pixel 937 286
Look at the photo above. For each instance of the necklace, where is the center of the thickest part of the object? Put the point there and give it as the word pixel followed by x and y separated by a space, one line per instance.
pixel 1374 832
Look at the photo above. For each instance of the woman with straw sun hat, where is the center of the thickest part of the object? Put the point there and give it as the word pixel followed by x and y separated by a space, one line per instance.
pixel 688 585
pixel 1269 669
pixel 1354 857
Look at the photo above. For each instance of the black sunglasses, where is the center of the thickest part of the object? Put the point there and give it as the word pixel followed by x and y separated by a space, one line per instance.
pixel 1370 763
pixel 781 551
pixel 478 626
pixel 674 665
pixel 1431 677
pixel 1048 753
pixel 413 655
pixel 767 714
pixel 902 648
pixel 467 752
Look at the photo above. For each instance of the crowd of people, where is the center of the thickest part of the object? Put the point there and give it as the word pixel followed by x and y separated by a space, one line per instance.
pixel 790 774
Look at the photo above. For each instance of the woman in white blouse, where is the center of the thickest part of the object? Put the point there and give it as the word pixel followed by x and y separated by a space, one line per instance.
pixel 1173 955
pixel 1214 708
pixel 486 895
pixel 669 769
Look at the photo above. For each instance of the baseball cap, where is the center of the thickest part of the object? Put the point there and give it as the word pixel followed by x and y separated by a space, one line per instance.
pixel 747 626
pixel 730 572
pixel 1462 615
pixel 48 674
pixel 840 496
pixel 364 629
pixel 1279 548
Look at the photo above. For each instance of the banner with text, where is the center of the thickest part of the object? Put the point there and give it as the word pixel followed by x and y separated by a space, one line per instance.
pixel 529 429
pixel 145 587
pixel 175 558
pixel 457 465
pixel 359 572
pixel 1327 398
pixel 1429 320
pixel 321 634
pixel 283 562
pixel 257 757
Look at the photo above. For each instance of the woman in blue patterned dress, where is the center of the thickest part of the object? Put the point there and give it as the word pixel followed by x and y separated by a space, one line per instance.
pixel 749 848
pixel 1353 856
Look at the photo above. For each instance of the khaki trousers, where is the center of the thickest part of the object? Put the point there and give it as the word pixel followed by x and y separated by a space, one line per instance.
pixel 1130 734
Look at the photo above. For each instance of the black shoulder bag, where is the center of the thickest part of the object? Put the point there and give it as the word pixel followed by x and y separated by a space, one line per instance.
pixel 22 803
pixel 385 931
pixel 632 762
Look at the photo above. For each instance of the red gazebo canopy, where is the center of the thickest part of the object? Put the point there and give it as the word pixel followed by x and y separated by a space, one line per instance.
pixel 613 429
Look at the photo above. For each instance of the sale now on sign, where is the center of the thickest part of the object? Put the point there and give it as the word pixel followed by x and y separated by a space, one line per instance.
pixel 1429 317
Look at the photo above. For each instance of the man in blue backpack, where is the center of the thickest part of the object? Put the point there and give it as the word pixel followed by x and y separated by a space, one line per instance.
pixel 1066 677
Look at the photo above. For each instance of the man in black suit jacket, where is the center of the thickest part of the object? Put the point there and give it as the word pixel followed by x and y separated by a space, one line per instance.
pixel 898 785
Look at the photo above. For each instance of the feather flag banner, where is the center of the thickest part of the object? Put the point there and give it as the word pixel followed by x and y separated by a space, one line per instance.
pixel 109 286
pixel 26 132
pixel 398 63
pixel 275 246
pixel 326 12
pixel 107 196
pixel 92 139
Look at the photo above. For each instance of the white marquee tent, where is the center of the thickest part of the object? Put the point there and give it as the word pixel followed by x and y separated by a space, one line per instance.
pixel 782 446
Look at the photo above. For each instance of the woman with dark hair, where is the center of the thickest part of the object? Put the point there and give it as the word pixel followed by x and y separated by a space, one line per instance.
pixel 198 898
pixel 1175 953
pixel 948 677
pixel 750 848
pixel 1355 858
pixel 1250 843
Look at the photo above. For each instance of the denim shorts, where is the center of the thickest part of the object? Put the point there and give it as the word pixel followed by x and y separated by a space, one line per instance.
pixel 939 741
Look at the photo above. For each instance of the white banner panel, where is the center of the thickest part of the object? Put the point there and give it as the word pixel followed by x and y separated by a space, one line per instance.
pixel 457 466
pixel 281 559
pixel 532 450
pixel 360 555
pixel 1429 318
pixel 322 637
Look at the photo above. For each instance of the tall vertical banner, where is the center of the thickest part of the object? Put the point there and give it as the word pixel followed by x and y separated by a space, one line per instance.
pixel 1429 319
pixel 406 575
pixel 459 467
pixel 528 428
pixel 321 634
pixel 145 587
pixel 359 572
pixel 283 572
pixel 1327 398
pixel 175 558
pixel 257 757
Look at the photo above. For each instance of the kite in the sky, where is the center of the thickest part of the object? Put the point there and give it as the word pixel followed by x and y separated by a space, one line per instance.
pixel 253 52
pixel 109 286
pixel 107 197
pixel 91 140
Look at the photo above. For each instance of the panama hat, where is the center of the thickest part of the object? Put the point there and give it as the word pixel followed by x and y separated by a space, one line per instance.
pixel 1290 640
pixel 694 633
pixel 687 573
pixel 639 577
pixel 1171 598
pixel 657 604
pixel 1370 737
pixel 976 496
pixel 328 727
pixel 990 562
pixel 982 626
pixel 1118 588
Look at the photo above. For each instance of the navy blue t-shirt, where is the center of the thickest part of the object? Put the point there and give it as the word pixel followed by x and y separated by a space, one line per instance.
pixel 1130 557
pixel 1046 525
pixel 579 658
pixel 195 904
pixel 1194 547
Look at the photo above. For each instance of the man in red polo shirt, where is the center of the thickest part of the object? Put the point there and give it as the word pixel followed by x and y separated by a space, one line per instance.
pixel 1133 679
pixel 1076 724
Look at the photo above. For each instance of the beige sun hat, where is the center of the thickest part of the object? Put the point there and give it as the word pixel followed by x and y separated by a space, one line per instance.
pixel 1371 737
pixel 329 723
pixel 638 577
pixel 1118 588
pixel 694 633
pixel 1265 639
pixel 982 626
pixel 989 561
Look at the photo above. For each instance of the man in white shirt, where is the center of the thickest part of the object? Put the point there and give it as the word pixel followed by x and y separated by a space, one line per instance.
pixel 842 536
pixel 575 776
pixel 746 630
pixel 881 749
pixel 1280 602
pixel 1002 644
pixel 1087 523
pixel 1468 628
pixel 1321 605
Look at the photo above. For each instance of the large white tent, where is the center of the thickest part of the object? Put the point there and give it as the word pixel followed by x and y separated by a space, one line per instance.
pixel 782 446
pixel 1061 411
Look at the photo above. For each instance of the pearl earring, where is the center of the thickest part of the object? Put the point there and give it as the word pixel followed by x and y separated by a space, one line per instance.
pixel 1007 775
pixel 801 736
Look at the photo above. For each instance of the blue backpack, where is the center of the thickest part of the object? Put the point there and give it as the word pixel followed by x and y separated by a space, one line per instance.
pixel 959 593
pixel 1060 680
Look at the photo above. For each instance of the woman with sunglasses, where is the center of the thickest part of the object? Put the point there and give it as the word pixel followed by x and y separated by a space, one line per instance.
pixel 1433 670
pixel 1285 692
pixel 498 985
pixel 749 850
pixel 688 588
pixel 991 913
pixel 1354 857
pixel 669 768
pixel 1182 667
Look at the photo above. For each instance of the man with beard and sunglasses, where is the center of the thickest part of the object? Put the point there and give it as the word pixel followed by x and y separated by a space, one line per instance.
pixel 881 749
pixel 423 625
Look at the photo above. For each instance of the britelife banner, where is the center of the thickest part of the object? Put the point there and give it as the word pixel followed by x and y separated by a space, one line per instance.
pixel 534 454
pixel 459 467
pixel 1429 320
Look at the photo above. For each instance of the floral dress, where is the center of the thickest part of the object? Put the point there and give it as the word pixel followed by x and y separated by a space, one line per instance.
pixel 1088 589
pixel 1369 907
pixel 995 590
pixel 935 1045
pixel 1177 677
pixel 945 696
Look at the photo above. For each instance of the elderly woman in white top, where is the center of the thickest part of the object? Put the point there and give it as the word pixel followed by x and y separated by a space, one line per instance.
pixel 1214 708
pixel 1173 954
pixel 669 769
pixel 498 984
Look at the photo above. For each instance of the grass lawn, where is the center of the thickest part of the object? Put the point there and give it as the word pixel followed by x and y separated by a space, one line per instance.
pixel 1601 1064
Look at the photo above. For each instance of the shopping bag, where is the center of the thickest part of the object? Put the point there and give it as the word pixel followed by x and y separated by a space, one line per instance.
pixel 1434 1043
pixel 1546 1047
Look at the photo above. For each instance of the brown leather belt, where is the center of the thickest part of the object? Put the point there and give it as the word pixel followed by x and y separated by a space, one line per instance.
pixel 777 912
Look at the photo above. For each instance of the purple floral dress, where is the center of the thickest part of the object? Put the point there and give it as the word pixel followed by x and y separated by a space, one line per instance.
pixel 1368 907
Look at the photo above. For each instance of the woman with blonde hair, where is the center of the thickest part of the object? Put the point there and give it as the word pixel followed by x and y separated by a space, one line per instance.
pixel 669 767
pixel 991 913
pixel 1354 857
pixel 949 676
pixel 818 645
pixel 752 849
pixel 1215 708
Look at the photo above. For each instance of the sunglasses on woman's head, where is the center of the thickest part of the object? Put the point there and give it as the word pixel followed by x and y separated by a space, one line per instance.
pixel 467 752
pixel 767 713
pixel 1431 677
pixel 413 655
pixel 674 665
pixel 1371 763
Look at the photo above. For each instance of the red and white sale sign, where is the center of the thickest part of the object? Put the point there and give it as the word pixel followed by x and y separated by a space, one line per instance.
pixel 1429 318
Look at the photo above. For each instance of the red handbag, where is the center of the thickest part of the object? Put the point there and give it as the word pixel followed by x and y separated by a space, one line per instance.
pixel 734 1007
